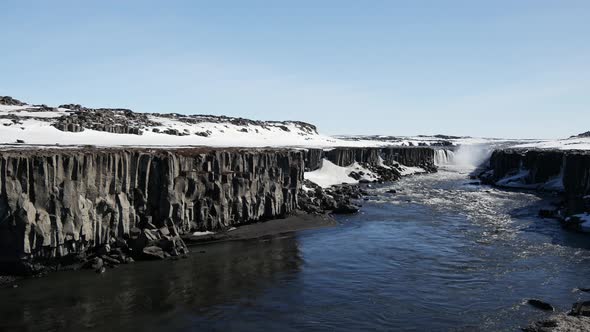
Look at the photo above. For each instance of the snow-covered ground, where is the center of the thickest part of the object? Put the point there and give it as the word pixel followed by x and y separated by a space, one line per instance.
pixel 331 174
pixel 574 143
pixel 35 125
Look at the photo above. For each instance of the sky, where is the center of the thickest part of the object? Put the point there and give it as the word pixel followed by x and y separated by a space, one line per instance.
pixel 503 68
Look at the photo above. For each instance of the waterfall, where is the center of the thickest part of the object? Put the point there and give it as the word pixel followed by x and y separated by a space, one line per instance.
pixel 443 157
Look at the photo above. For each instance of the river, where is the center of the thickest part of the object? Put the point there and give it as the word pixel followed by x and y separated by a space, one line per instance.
pixel 441 254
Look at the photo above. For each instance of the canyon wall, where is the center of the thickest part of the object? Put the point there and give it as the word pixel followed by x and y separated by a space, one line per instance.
pixel 345 156
pixel 56 202
pixel 570 168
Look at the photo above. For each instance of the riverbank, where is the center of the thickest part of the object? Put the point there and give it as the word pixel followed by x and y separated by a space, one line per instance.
pixel 296 222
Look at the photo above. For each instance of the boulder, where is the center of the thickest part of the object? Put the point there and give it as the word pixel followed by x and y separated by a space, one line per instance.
pixel 153 253
pixel 581 309
pixel 540 305
pixel 345 209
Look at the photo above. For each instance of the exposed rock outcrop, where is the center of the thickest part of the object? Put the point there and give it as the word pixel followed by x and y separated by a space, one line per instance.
pixel 55 203
pixel 345 156
pixel 6 100
pixel 543 165
pixel 563 170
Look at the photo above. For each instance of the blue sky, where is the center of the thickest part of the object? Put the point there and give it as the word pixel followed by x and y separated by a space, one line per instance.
pixel 501 68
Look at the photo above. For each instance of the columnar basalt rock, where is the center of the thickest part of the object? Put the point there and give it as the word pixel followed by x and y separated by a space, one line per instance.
pixel 345 156
pixel 57 202
pixel 569 170
pixel 542 165
pixel 410 156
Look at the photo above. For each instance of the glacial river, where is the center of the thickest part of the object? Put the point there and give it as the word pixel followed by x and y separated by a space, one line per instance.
pixel 439 255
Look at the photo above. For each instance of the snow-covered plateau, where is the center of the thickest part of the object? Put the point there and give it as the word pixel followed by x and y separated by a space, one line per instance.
pixel 74 125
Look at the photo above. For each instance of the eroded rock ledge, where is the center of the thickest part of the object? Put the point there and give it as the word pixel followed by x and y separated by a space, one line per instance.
pixel 59 202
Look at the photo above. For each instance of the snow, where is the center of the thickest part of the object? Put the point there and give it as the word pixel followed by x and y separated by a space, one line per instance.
pixel 38 132
pixel 578 143
pixel 407 170
pixel 331 174
pixel 519 181
pixel 34 127
pixel 24 111
pixel 203 233
pixel 554 184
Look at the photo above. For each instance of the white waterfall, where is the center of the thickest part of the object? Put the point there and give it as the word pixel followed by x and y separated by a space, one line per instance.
pixel 443 157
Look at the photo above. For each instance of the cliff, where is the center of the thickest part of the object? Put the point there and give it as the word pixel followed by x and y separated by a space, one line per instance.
pixel 344 156
pixel 563 170
pixel 57 202
pixel 116 203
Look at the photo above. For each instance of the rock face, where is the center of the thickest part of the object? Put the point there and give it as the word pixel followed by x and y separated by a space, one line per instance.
pixel 543 165
pixel 59 202
pixel 569 169
pixel 118 203
pixel 408 156
pixel 6 100
pixel 125 121
pixel 118 121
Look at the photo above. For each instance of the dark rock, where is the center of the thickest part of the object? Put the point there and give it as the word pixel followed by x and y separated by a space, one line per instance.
pixel 545 213
pixel 6 100
pixel 540 304
pixel 581 309
pixel 95 263
pixel 345 209
pixel 110 260
pixel 582 135
pixel 153 252
pixel 391 191
pixel 203 133
pixel 135 193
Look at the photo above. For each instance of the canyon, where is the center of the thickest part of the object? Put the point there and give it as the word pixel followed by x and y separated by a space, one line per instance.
pixel 95 188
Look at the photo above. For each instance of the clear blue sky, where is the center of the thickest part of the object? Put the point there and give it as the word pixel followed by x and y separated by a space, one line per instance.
pixel 502 68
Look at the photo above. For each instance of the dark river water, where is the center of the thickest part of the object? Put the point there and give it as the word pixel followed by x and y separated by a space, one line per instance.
pixel 440 255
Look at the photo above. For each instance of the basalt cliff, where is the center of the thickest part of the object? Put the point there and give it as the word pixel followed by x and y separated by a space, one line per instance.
pixel 563 171
pixel 57 203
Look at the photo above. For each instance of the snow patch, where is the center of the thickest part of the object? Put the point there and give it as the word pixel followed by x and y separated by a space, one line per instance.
pixel 407 170
pixel 331 174
pixel 516 180
pixel 574 143
pixel 520 180
pixel 203 233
